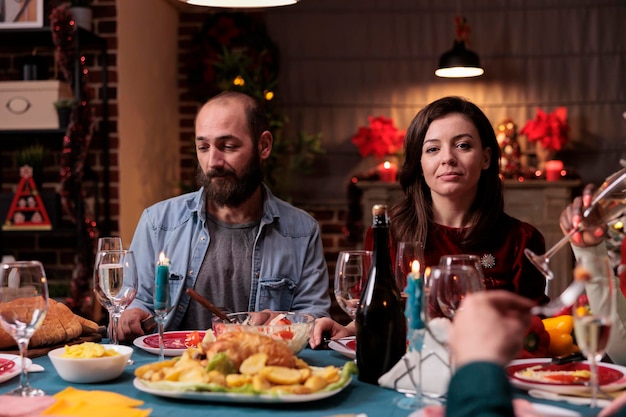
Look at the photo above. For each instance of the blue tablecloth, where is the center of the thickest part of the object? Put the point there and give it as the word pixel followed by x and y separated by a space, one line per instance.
pixel 357 398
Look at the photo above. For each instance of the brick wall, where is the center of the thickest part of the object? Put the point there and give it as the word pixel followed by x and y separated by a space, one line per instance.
pixel 57 248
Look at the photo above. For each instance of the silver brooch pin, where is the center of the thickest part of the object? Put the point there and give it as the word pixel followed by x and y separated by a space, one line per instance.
pixel 488 261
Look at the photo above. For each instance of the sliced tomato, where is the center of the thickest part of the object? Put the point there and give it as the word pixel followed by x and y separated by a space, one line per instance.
pixel 193 339
pixel 283 322
pixel 285 334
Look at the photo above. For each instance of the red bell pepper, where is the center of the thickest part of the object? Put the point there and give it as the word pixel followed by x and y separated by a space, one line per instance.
pixel 536 341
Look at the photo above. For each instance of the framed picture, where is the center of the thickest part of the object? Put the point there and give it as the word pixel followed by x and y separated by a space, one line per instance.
pixel 21 14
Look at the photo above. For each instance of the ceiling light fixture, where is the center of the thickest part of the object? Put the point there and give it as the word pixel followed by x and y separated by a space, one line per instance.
pixel 234 4
pixel 460 62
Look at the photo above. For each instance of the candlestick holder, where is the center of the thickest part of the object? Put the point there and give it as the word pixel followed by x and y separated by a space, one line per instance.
pixel 162 303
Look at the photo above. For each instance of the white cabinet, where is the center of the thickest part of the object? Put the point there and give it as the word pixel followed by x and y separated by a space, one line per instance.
pixel 537 202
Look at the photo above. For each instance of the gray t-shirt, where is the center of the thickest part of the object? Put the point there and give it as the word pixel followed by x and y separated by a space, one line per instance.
pixel 226 273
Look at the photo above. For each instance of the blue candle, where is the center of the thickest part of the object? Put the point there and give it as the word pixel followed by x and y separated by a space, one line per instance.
pixel 162 283
pixel 414 291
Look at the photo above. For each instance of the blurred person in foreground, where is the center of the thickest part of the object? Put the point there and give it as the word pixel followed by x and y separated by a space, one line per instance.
pixel 232 240
pixel 590 243
pixel 486 334
pixel 453 203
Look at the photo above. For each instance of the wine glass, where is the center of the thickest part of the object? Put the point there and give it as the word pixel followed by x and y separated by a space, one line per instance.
pixel 610 198
pixel 445 286
pixel 104 243
pixel 464 259
pixel 116 282
pixel 350 276
pixel 406 253
pixel 23 307
pixel 592 327
pixel 109 243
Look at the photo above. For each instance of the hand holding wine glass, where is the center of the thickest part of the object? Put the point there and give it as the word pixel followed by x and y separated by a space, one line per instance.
pixel 350 277
pixel 592 327
pixel 23 307
pixel 116 283
pixel 610 201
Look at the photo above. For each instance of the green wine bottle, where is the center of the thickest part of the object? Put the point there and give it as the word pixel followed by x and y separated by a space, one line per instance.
pixel 380 321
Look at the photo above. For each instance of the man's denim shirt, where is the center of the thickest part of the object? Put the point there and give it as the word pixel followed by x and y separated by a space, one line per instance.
pixel 289 272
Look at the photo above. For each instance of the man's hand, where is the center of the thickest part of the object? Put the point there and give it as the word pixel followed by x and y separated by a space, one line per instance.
pixel 129 325
pixel 326 325
pixel 489 326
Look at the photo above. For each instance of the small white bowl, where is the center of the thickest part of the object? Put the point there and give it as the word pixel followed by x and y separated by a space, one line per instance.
pixel 89 370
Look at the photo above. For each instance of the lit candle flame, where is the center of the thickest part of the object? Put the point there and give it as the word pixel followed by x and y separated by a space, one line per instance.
pixel 163 260
pixel 387 164
pixel 415 266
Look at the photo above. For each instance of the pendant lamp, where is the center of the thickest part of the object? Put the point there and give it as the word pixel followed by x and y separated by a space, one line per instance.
pixel 235 4
pixel 460 62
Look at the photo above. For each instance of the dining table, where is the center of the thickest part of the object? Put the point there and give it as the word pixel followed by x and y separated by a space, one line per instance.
pixel 358 398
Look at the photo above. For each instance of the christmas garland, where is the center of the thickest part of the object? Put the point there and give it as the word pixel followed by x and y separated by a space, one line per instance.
pixel 76 143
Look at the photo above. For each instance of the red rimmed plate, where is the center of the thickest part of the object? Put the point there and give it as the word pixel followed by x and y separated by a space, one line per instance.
pixel 611 377
pixel 11 371
pixel 174 342
pixel 346 346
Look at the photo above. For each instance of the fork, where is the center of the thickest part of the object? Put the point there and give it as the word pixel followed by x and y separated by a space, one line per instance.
pixel 566 299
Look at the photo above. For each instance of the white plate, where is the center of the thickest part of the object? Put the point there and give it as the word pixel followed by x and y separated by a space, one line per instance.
pixel 149 342
pixel 5 376
pixel 339 345
pixel 234 397
pixel 545 410
pixel 617 383
pixel 542 410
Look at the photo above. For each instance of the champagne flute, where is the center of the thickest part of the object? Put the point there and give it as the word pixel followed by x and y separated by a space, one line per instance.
pixel 351 274
pixel 406 253
pixel 592 327
pixel 23 307
pixel 610 198
pixel 117 283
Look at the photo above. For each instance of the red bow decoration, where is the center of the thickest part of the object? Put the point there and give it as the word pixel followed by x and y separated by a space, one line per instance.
pixel 380 138
pixel 549 128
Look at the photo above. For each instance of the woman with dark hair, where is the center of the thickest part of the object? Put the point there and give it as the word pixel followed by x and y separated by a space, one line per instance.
pixel 453 202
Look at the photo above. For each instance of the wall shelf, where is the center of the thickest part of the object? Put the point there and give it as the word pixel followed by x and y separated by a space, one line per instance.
pixel 21 41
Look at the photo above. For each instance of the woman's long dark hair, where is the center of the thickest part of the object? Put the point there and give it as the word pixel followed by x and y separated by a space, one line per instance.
pixel 411 217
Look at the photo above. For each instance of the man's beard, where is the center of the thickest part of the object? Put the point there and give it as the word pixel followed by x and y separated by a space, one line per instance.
pixel 224 188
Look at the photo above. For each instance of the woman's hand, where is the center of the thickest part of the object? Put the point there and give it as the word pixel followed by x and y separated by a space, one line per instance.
pixel 572 216
pixel 327 326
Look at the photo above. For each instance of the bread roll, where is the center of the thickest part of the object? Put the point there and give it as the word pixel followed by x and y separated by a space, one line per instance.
pixel 59 326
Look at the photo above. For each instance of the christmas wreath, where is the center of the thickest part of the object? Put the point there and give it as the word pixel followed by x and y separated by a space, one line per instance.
pixel 233 51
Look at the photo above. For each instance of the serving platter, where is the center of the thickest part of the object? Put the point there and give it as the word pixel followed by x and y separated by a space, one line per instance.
pixel 174 342
pixel 346 346
pixel 183 391
pixel 13 371
pixel 612 377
